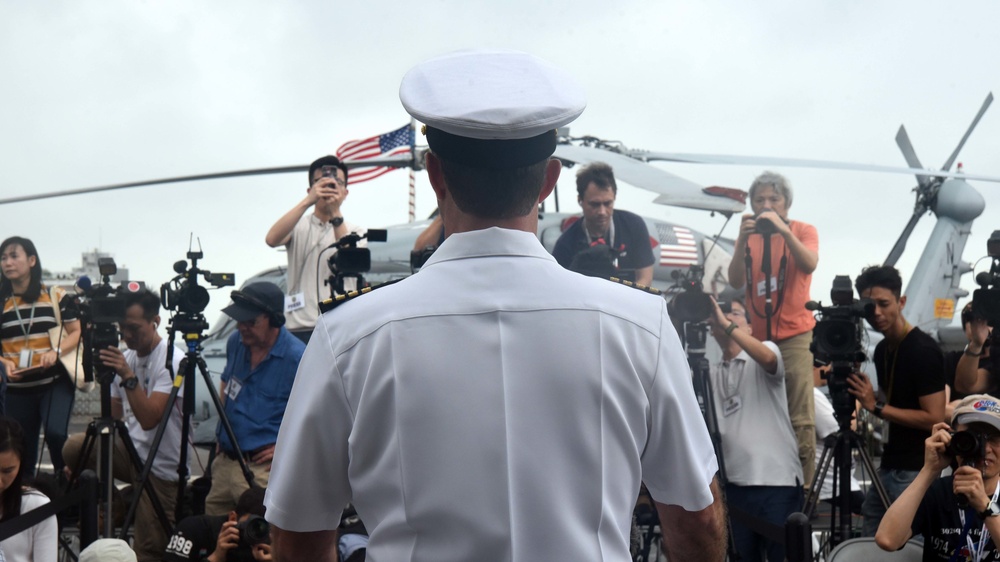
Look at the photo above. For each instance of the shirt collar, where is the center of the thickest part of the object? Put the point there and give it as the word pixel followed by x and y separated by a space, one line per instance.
pixel 493 241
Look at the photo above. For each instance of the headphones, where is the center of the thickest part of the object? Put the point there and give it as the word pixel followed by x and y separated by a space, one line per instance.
pixel 277 319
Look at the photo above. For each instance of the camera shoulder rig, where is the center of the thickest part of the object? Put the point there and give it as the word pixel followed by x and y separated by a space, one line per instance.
pixel 330 304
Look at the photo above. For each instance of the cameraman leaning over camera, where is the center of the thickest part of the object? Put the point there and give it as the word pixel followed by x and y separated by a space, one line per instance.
pixel 139 395
pixel 930 505
pixel 261 359
pixel 910 370
pixel 307 240
pixel 624 233
pixel 758 445
pixel 794 255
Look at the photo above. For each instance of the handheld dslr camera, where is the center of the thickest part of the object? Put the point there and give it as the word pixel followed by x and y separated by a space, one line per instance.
pixel 986 299
pixel 254 530
pixel 837 341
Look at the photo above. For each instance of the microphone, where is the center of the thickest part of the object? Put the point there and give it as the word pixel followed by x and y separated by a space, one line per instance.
pixel 83 284
pixel 813 305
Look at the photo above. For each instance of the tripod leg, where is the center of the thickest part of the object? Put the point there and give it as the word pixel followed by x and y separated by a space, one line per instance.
pixel 870 467
pixel 812 497
pixel 224 422
pixel 143 485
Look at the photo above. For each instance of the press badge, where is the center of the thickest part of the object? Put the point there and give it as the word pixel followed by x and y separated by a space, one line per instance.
pixel 233 388
pixel 731 406
pixel 761 288
pixel 25 360
pixel 294 302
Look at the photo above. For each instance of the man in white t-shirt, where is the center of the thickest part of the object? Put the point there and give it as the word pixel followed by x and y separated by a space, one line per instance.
pixel 307 239
pixel 139 395
pixel 758 444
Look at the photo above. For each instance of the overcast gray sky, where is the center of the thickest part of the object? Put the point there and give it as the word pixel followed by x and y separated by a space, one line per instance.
pixel 113 91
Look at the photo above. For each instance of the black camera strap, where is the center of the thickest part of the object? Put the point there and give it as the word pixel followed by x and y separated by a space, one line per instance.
pixel 782 270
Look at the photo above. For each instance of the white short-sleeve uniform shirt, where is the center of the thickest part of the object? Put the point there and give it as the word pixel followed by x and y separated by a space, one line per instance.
pixel 493 406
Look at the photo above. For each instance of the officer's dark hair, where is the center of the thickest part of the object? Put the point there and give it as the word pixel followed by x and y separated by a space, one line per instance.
pixel 494 194
pixel 597 173
pixel 251 502
pixel 145 298
pixel 884 276
pixel 326 161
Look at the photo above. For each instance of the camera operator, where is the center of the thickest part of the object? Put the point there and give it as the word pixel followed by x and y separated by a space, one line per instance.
pixel 975 372
pixel 759 447
pixel 261 359
pixel 930 505
pixel 139 395
pixel 794 254
pixel 218 538
pixel 910 370
pixel 622 233
pixel 307 239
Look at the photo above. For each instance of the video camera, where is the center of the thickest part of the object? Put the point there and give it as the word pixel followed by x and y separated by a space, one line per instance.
pixel 101 309
pixel 986 299
pixel 184 296
pixel 690 308
pixel 837 340
pixel 350 259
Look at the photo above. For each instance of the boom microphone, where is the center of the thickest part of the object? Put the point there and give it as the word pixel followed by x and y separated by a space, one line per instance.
pixel 813 306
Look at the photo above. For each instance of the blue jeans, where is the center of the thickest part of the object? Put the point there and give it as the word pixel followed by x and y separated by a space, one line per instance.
pixel 894 481
pixel 51 404
pixel 770 503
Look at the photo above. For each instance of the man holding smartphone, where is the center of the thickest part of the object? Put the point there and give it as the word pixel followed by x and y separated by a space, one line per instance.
pixel 308 237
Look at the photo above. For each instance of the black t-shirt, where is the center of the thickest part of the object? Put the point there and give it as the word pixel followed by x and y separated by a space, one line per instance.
pixel 195 538
pixel 631 241
pixel 916 369
pixel 938 521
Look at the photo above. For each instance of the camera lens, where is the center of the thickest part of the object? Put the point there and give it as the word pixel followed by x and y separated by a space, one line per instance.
pixel 965 444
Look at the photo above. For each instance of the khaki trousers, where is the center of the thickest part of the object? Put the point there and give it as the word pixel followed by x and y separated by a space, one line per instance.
pixel 228 483
pixel 799 389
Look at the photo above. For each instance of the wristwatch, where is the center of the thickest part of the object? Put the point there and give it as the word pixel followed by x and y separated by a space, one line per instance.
pixel 337 221
pixel 879 405
pixel 129 383
pixel 972 354
pixel 992 510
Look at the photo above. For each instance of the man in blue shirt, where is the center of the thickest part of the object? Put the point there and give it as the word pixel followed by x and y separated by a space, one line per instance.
pixel 261 359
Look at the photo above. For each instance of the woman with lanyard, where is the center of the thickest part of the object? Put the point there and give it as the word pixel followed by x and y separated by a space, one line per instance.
pixel 957 515
pixel 38 386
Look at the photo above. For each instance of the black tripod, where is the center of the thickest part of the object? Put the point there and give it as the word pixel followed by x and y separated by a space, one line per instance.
pixel 695 340
pixel 838 451
pixel 101 431
pixel 191 326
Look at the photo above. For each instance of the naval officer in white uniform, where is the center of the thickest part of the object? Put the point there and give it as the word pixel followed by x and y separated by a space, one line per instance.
pixel 494 406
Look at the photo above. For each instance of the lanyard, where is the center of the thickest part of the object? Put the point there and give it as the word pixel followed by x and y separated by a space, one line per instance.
pixel 611 234
pixel 984 535
pixel 20 321
pixel 895 355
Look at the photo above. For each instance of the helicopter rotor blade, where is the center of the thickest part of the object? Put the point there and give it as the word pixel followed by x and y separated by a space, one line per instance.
pixel 961 143
pixel 727 159
pixel 673 190
pixel 897 249
pixel 398 161
pixel 904 144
